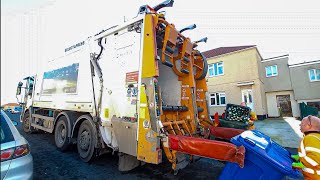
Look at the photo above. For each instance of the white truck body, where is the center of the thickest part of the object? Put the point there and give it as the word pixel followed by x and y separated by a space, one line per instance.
pixel 119 62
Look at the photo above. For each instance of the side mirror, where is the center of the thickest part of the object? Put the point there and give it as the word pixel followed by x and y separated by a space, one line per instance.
pixel 19 88
pixel 30 88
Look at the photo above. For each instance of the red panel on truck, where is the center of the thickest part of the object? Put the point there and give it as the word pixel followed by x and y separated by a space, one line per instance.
pixel 208 148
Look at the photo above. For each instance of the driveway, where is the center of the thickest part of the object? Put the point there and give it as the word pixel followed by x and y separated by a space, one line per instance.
pixel 285 132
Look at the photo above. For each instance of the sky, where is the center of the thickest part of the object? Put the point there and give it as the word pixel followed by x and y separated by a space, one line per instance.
pixel 36 31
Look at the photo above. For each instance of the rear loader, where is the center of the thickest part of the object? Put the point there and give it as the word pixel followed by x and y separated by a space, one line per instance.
pixel 138 89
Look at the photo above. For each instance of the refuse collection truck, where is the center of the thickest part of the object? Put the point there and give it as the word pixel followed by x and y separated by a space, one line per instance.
pixel 138 89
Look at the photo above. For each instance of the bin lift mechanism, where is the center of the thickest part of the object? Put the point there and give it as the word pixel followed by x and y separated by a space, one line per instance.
pixel 185 128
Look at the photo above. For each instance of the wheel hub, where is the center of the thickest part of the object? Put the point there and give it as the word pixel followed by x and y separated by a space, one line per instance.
pixel 26 122
pixel 85 140
pixel 62 135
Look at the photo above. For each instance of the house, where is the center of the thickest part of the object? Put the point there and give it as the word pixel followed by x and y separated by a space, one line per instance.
pixel 278 87
pixel 305 79
pixel 10 106
pixel 235 75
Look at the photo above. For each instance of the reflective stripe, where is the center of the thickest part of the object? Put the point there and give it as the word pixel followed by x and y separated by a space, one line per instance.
pixel 303 151
pixel 311 171
pixel 308 170
pixel 311 161
pixel 312 149
pixel 314 136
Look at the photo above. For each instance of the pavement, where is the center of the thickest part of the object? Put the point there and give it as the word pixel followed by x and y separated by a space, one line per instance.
pixel 285 131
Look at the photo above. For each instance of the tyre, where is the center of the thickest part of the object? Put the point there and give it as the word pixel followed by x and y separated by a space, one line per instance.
pixel 26 123
pixel 205 68
pixel 86 141
pixel 61 134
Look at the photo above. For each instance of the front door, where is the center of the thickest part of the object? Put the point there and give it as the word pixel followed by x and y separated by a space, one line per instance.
pixel 284 103
pixel 247 97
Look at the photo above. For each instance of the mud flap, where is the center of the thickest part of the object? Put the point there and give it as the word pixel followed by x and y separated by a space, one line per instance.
pixel 127 162
pixel 224 133
pixel 208 148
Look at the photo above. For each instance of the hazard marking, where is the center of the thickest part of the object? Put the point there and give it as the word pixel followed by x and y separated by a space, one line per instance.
pixel 132 76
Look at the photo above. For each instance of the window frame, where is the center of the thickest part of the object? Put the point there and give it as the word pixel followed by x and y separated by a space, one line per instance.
pixel 315 75
pixel 272 73
pixel 6 132
pixel 219 95
pixel 212 66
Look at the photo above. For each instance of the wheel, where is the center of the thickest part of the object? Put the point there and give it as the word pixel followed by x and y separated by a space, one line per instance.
pixel 205 68
pixel 61 134
pixel 26 123
pixel 85 141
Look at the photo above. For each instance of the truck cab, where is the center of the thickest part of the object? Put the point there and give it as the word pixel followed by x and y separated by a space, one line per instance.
pixel 24 93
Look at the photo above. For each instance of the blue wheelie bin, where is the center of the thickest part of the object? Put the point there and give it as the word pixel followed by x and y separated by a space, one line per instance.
pixel 264 159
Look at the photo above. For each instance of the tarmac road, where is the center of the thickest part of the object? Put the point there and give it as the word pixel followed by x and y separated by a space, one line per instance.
pixel 50 163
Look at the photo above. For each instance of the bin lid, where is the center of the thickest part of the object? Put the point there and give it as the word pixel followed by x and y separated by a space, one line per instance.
pixel 262 145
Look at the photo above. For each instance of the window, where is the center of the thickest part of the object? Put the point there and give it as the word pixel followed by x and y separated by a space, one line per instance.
pixel 216 69
pixel 314 74
pixel 217 99
pixel 247 96
pixel 5 132
pixel 271 71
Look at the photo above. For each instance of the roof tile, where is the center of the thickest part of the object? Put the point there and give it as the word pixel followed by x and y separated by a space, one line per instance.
pixel 224 50
pixel 11 104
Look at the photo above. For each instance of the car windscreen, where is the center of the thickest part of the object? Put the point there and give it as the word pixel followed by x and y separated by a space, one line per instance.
pixel 5 132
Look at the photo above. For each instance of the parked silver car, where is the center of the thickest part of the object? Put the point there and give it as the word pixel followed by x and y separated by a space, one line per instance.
pixel 16 159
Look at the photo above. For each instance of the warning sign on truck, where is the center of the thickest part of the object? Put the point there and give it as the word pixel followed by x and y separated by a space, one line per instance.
pixel 132 77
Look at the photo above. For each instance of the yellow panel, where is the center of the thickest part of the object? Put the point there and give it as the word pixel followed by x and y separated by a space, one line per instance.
pixel 106 113
pixel 149 66
pixel 142 113
pixel 147 138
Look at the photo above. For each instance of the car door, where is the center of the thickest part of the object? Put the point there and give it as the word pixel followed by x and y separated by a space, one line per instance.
pixel 7 144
